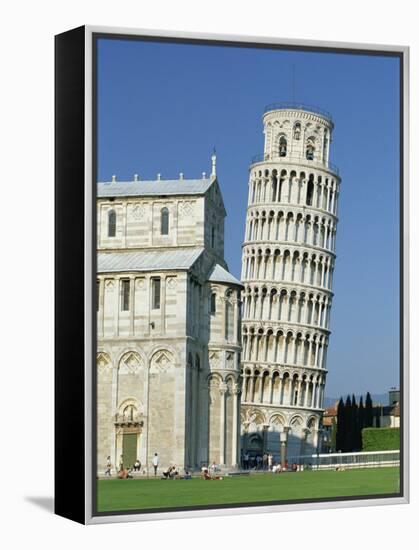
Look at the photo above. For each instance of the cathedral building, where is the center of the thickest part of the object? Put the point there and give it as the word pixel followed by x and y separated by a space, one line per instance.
pixel 168 325
pixel 287 271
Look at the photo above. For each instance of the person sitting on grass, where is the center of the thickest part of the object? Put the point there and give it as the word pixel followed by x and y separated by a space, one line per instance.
pixel 187 475
pixel 125 474
pixel 174 473
pixel 294 467
pixel 171 473
pixel 167 473
pixel 276 468
pixel 207 476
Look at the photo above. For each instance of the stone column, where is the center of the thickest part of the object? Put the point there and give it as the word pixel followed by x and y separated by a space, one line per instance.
pixel 101 316
pixel 283 438
pixel 131 304
pixel 259 397
pixel 271 389
pixel 306 431
pixel 245 435
pixel 265 438
pixel 281 380
pixel 235 431
pixel 251 389
pixel 299 391
pixel 223 391
pixel 116 306
pixel 318 395
pixel 307 386
pixel 235 319
pixel 322 281
pixel 327 197
pixel 313 395
pixel 316 352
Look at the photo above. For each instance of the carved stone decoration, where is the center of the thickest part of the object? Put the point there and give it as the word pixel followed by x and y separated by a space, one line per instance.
pixel 137 212
pixel 214 359
pixel 296 422
pixel 277 420
pixel 103 362
pixel 109 284
pixel 130 413
pixel 255 417
pixel 130 363
pixel 186 208
pixel 214 382
pixel 172 283
pixel 161 361
pixel 140 283
pixel 230 359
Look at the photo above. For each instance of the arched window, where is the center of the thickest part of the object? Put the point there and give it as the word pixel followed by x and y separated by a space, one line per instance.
pixel 228 315
pixel 325 144
pixel 129 412
pixel 111 223
pixel 282 147
pixel 310 191
pixel 164 221
pixel 213 304
pixel 212 237
pixel 310 150
pixel 297 130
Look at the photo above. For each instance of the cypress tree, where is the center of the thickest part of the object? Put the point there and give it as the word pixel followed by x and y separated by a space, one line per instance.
pixel 368 413
pixel 340 428
pixel 333 435
pixel 355 434
pixel 348 426
pixel 361 421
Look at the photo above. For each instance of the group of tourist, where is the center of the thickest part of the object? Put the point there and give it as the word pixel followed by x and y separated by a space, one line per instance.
pixel 263 462
pixel 266 463
pixel 257 462
pixel 125 472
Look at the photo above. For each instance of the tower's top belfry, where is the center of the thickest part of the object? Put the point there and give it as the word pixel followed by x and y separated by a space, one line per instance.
pixel 297 133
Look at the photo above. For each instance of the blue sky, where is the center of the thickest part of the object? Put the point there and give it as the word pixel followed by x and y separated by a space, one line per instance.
pixel 163 107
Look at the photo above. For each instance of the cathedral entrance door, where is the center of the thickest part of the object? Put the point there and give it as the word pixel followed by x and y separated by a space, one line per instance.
pixel 129 449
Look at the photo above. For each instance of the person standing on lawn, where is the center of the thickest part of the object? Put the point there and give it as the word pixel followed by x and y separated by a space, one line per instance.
pixel 155 463
pixel 108 467
pixel 265 460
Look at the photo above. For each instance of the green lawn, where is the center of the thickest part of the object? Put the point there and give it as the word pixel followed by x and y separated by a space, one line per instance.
pixel 140 494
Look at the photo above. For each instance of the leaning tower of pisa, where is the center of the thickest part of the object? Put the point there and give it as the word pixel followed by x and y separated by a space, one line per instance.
pixel 287 271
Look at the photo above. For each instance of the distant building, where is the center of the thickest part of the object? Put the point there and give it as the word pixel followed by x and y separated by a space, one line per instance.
pixel 329 424
pixel 388 416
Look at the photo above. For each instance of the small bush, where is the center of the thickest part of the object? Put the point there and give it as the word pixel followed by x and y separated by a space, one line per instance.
pixel 380 439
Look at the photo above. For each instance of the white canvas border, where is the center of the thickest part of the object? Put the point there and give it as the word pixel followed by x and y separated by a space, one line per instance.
pixel 128 517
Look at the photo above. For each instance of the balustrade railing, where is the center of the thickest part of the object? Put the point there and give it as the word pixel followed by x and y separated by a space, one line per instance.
pixel 296 159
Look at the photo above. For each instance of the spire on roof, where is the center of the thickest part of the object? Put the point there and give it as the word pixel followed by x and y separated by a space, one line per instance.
pixel 214 164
